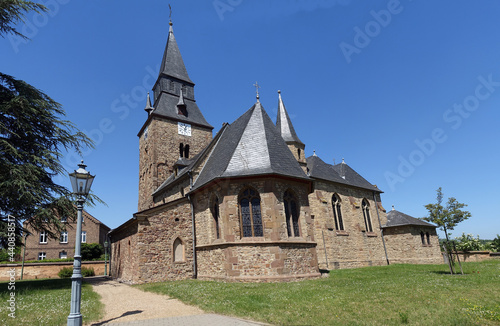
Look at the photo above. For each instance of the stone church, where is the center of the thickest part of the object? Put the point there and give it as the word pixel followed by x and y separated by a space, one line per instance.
pixel 246 204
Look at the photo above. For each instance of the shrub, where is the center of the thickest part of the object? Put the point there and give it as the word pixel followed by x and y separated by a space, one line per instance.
pixel 66 272
pixel 467 242
pixel 88 271
pixel 91 251
pixel 495 244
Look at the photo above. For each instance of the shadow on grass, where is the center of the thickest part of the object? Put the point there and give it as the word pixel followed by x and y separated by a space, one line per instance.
pixel 52 284
pixel 128 313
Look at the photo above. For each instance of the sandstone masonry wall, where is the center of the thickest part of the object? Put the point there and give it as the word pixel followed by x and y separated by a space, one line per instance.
pixel 354 246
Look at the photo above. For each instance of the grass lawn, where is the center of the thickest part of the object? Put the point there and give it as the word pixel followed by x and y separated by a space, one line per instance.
pixel 47 302
pixel 385 295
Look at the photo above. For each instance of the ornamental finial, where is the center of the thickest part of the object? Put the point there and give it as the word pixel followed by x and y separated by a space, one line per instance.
pixel 257 90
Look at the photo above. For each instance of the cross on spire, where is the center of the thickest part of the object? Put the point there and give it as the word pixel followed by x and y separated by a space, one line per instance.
pixel 257 89
pixel 170 15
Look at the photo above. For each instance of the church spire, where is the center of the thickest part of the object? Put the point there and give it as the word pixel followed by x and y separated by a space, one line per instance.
pixel 284 124
pixel 172 64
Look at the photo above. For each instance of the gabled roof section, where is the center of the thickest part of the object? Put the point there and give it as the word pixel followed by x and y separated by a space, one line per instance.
pixel 352 177
pixel 172 63
pixel 250 146
pixel 284 124
pixel 340 173
pixel 319 169
pixel 396 218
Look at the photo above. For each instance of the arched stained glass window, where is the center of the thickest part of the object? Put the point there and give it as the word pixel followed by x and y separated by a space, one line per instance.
pixel 251 219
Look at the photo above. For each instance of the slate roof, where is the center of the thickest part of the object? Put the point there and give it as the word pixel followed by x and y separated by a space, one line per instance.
pixel 166 106
pixel 251 145
pixel 396 218
pixel 340 173
pixel 172 63
pixel 284 124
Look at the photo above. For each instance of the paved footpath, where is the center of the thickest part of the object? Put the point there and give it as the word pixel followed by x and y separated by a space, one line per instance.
pixel 128 306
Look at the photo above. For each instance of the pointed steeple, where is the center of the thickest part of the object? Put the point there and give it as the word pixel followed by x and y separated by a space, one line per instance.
pixel 172 64
pixel 284 124
pixel 174 91
pixel 149 107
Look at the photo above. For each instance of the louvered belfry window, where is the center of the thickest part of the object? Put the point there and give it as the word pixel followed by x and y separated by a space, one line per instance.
pixel 251 219
pixel 291 214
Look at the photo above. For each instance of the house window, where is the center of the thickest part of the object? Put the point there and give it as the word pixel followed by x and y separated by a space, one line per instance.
pixel 428 238
pixel 215 214
pixel 43 237
pixel 337 213
pixel 64 237
pixel 63 254
pixel 366 216
pixel 178 250
pixel 181 150
pixel 84 236
pixel 422 237
pixel 298 152
pixel 64 219
pixel 251 220
pixel 186 151
pixel 42 256
pixel 291 214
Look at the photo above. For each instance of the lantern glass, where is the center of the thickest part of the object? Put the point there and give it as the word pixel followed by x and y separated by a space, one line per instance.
pixel 81 180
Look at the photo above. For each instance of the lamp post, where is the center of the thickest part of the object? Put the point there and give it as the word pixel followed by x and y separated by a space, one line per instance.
pixel 106 258
pixel 81 181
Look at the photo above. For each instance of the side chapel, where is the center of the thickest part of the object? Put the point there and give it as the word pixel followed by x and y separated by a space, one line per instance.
pixel 246 204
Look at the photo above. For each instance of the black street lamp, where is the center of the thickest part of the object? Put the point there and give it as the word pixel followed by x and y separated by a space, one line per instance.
pixel 81 181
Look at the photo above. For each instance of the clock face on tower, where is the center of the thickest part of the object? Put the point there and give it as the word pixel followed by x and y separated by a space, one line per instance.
pixel 184 129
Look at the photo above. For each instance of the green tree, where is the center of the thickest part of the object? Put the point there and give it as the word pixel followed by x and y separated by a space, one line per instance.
pixel 12 12
pixel 495 244
pixel 33 135
pixel 446 217
pixel 91 251
pixel 467 242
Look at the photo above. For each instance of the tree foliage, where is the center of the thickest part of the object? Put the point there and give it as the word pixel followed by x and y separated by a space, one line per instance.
pixel 33 135
pixel 91 251
pixel 467 242
pixel 446 217
pixel 13 12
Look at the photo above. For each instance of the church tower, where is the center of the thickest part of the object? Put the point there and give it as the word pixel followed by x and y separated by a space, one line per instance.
pixel 285 127
pixel 175 129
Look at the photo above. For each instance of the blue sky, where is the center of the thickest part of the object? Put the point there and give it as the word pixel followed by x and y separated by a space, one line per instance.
pixel 406 91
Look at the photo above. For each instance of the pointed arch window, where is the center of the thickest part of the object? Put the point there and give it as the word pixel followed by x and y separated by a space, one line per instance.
pixel 337 213
pixel 366 216
pixel 251 219
pixel 178 250
pixel 422 237
pixel 291 214
pixel 215 214
pixel 428 237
